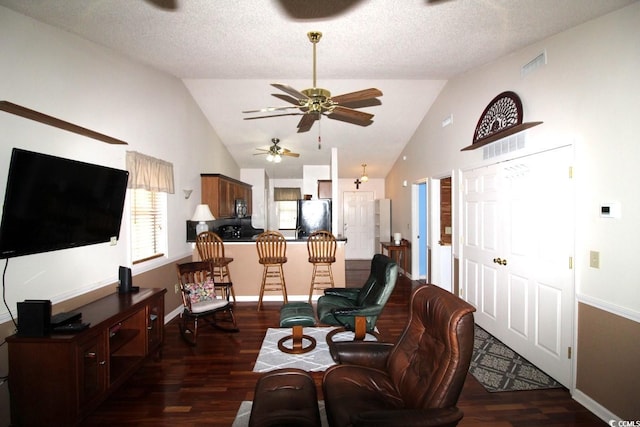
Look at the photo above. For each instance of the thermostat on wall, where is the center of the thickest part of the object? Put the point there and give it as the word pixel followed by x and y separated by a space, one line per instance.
pixel 610 210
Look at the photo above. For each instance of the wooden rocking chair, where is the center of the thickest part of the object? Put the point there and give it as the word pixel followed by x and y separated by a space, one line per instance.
pixel 200 301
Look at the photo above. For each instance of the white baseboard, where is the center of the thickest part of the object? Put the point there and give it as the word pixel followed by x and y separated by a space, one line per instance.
pixel 600 411
pixel 172 314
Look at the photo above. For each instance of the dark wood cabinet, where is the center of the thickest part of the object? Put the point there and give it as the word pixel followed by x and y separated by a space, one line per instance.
pixel 220 193
pixel 59 379
pixel 92 356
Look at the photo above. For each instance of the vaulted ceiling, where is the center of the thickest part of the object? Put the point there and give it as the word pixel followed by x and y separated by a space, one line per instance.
pixel 228 52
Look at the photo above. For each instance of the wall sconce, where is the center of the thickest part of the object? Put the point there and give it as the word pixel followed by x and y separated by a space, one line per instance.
pixel 187 193
pixel 404 183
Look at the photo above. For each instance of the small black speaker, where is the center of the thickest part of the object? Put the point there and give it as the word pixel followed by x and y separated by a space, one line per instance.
pixel 126 282
pixel 34 318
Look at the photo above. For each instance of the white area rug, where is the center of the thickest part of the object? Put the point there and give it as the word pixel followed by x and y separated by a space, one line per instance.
pixel 317 360
pixel 242 418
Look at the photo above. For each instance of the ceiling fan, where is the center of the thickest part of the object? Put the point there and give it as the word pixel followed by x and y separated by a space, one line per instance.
pixel 315 102
pixel 275 152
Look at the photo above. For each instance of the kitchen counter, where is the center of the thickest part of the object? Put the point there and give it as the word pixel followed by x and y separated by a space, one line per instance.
pixel 252 239
pixel 246 271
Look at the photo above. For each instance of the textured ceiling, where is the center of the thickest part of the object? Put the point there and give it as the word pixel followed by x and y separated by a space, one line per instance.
pixel 229 51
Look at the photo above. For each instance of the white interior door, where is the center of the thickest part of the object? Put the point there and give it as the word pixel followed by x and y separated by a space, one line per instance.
pixel 517 255
pixel 358 220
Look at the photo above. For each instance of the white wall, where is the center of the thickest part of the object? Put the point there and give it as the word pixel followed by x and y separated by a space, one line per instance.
pixel 310 176
pixel 257 179
pixel 587 94
pixel 59 74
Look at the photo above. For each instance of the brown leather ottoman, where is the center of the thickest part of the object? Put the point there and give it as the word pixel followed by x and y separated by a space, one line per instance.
pixel 285 397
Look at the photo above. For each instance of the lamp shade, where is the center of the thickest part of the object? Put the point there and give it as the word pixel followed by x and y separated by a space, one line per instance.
pixel 203 213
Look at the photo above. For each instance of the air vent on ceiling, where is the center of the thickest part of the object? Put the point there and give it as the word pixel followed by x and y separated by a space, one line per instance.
pixel 534 64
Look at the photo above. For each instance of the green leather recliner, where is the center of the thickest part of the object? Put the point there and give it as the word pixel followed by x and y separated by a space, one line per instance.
pixel 340 306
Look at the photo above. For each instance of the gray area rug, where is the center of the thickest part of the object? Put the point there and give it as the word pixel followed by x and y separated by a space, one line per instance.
pixel 317 360
pixel 498 368
pixel 494 365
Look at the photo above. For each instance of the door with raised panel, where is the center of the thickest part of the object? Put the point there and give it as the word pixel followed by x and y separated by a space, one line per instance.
pixel 517 255
pixel 358 224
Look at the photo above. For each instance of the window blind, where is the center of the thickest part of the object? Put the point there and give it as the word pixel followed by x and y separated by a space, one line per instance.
pixel 285 194
pixel 147 219
pixel 150 179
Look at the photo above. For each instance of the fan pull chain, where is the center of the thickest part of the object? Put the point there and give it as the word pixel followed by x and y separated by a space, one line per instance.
pixel 319 138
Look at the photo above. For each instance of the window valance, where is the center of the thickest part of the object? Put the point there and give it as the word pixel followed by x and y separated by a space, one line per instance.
pixel 149 173
pixel 283 194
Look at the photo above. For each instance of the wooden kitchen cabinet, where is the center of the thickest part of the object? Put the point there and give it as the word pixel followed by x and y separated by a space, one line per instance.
pixel 57 380
pixel 324 189
pixel 220 193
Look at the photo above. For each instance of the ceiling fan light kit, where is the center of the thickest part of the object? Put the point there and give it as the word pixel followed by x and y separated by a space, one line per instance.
pixel 315 102
pixel 275 152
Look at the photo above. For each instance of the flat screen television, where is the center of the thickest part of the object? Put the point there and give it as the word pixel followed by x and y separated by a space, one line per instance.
pixel 53 203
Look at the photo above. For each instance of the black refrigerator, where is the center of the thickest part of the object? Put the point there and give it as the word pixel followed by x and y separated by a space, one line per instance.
pixel 313 215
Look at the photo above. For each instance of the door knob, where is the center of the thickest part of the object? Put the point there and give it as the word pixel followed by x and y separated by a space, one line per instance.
pixel 500 261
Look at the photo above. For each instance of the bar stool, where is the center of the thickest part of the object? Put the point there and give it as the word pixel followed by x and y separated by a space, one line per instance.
pixel 321 246
pixel 272 254
pixel 211 248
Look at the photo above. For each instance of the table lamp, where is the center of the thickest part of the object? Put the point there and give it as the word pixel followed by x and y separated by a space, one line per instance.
pixel 202 214
pixel 397 237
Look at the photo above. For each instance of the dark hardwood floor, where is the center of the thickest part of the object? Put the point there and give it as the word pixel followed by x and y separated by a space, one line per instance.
pixel 204 385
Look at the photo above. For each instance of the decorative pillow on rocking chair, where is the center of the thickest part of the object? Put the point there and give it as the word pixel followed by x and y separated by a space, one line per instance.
pixel 203 296
pixel 199 292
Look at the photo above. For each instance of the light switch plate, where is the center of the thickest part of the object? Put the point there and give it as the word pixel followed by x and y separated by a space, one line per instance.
pixel 594 259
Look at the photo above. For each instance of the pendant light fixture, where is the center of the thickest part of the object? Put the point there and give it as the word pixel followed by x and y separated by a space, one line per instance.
pixel 364 177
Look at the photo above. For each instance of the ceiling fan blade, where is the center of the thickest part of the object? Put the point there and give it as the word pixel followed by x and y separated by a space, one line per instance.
pixel 275 115
pixel 348 114
pixel 287 152
pixel 291 91
pixel 268 109
pixel 307 121
pixel 357 96
pixel 365 103
pixel 287 98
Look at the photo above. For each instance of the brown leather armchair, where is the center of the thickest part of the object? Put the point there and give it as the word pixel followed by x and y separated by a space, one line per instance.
pixel 414 382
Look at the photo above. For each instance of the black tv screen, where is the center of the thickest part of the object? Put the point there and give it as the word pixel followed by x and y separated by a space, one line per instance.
pixel 53 203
